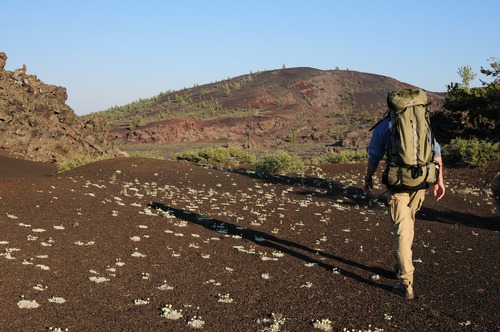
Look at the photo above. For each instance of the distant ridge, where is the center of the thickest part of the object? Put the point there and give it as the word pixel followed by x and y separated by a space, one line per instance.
pixel 269 108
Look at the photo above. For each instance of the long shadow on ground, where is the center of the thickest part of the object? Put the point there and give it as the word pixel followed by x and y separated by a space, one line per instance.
pixel 334 190
pixel 271 241
pixel 465 219
pixel 331 189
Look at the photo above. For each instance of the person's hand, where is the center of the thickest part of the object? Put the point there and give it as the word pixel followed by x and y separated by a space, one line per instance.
pixel 439 190
pixel 439 186
pixel 367 188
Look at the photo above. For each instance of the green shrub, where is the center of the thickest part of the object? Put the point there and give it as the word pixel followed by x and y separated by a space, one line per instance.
pixel 78 161
pixel 472 152
pixel 346 156
pixel 189 155
pixel 292 136
pixel 279 163
pixel 135 122
pixel 217 156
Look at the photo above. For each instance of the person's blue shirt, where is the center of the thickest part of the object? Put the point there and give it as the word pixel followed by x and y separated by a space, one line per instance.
pixel 380 142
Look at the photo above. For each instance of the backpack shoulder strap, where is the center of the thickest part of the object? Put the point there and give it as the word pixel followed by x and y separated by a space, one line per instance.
pixel 431 132
pixel 386 115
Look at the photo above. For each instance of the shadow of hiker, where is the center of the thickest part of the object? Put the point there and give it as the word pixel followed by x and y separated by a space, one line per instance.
pixel 270 241
pixel 351 195
pixel 460 218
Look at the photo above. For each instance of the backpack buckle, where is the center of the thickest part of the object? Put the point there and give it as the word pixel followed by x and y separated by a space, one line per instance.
pixel 416 171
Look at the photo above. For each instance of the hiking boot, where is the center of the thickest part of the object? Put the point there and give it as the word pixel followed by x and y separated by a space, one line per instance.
pixel 405 291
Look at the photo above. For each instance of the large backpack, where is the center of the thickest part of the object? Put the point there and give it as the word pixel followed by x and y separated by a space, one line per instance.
pixel 410 155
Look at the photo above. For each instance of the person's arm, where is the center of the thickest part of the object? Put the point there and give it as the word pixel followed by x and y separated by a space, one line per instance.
pixel 439 189
pixel 376 150
pixel 368 180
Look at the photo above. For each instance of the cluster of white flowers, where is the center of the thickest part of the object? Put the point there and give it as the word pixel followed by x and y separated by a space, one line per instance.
pixel 273 324
pixel 40 287
pixel 170 313
pixel 56 299
pixel 141 301
pixel 196 322
pixel 324 324
pixel 98 280
pixel 27 304
pixel 225 298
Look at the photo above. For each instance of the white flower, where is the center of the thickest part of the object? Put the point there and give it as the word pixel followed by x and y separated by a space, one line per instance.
pixel 141 302
pixel 323 325
pixel 27 304
pixel 170 313
pixel 225 298
pixel 56 300
pixel 40 287
pixel 43 267
pixel 165 287
pixel 196 323
pixel 98 280
pixel 137 254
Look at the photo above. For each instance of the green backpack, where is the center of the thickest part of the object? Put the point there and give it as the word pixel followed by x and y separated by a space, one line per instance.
pixel 410 156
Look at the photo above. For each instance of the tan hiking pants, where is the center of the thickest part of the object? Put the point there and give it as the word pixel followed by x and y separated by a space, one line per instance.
pixel 402 218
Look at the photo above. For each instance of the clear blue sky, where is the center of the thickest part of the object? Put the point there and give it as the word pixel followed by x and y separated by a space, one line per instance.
pixel 112 52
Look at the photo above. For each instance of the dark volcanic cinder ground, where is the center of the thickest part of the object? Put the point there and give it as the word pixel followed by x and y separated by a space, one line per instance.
pixel 107 246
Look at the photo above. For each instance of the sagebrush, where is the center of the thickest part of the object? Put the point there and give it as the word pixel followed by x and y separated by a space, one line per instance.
pixel 217 156
pixel 471 152
pixel 78 161
pixel 281 163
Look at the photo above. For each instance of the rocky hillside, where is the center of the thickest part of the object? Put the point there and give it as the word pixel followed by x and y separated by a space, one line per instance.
pixel 271 108
pixel 36 123
pixel 265 109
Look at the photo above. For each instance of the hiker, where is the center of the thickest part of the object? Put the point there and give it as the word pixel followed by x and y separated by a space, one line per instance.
pixel 406 184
